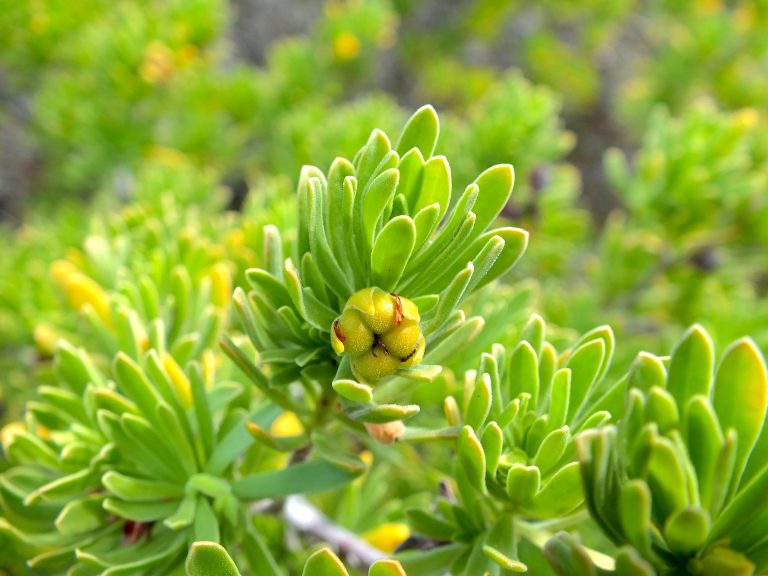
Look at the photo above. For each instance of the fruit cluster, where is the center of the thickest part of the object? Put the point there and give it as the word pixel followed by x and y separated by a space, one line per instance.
pixel 380 332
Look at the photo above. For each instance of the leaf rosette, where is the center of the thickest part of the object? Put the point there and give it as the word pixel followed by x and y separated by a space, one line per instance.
pixel 386 223
pixel 681 482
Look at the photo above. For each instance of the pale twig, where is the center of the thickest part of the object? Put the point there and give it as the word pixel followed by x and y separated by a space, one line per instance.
pixel 300 514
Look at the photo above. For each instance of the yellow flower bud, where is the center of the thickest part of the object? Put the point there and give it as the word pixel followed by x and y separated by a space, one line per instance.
pixel 285 425
pixel 387 537
pixel 221 284
pixel 46 339
pixel 82 290
pixel 179 380
pixel 346 46
pixel 9 431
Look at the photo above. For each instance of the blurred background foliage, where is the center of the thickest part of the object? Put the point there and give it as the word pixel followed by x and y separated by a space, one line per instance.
pixel 637 130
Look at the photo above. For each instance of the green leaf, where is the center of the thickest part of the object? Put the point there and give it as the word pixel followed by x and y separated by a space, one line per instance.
pixel 425 221
pixel 495 186
pixel 319 314
pixel 630 563
pixel 523 482
pixel 303 208
pixel 434 562
pixel 201 409
pixel 552 449
pixel 257 554
pixel 724 466
pixel 74 367
pixel 605 334
pixel 534 332
pixel 211 486
pixel 431 251
pixel 234 443
pixel 64 487
pixel 376 197
pixel 353 390
pixel 421 372
pixel 660 407
pixel 335 278
pixel 273 251
pixel 479 403
pixel 82 516
pixel 492 441
pixel 635 514
pixel 667 478
pixel 429 524
pixel 391 251
pixel 686 530
pixel 501 545
pixel 585 364
pixel 140 511
pixel 450 298
pixel 435 186
pixel 567 557
pixel 386 568
pixel 339 171
pixel 134 559
pixel 383 413
pixel 562 494
pixel 205 525
pixel 324 563
pixel 472 458
pixel 691 365
pixel 133 489
pixel 421 131
pixel 748 503
pixel 209 559
pixel 560 398
pixel 184 515
pixel 136 385
pixel 522 373
pixel 303 478
pixel 515 244
pixel 148 443
pixel 269 286
pixel 411 169
pixel 740 398
pixel 155 464
pixel 353 230
pixel 722 560
pixel 707 442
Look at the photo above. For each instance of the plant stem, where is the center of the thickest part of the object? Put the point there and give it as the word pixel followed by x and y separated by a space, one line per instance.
pixel 304 517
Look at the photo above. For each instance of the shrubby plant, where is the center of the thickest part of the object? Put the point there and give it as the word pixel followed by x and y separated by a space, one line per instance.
pixel 180 420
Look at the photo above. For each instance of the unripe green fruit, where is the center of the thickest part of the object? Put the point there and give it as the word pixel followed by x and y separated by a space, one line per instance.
pixel 418 354
pixel 378 308
pixel 410 310
pixel 380 331
pixel 351 334
pixel 403 339
pixel 375 364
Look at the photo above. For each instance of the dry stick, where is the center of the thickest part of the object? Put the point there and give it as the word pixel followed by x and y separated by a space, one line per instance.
pixel 304 517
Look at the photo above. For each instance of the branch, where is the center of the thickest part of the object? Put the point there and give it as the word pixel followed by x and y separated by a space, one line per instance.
pixel 304 517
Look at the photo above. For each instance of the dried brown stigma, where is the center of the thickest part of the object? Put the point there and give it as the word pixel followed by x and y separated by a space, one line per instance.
pixel 398 309
pixel 339 332
pixel 416 349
